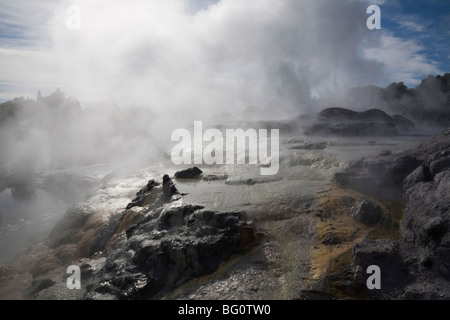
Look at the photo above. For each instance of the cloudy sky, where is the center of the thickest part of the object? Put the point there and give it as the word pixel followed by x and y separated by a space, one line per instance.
pixel 169 53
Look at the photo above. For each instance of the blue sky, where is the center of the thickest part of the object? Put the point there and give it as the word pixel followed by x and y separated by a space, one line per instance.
pixel 36 53
pixel 427 21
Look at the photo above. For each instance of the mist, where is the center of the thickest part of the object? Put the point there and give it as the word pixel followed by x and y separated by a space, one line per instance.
pixel 226 56
pixel 137 70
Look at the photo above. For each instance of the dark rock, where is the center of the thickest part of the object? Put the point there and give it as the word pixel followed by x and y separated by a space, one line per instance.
pixel 367 212
pixel 165 251
pixel 436 228
pixel 338 114
pixel 311 146
pixel 39 285
pixel 403 123
pixel 331 238
pixel 169 188
pixel 379 175
pixel 385 153
pixel 353 129
pixel 142 194
pixel 22 184
pixel 213 177
pixel 374 115
pixel 348 201
pixel 192 173
pixel 387 255
pixel 345 122
pixel 234 181
pixel 412 268
pixel 438 166
pixel 421 174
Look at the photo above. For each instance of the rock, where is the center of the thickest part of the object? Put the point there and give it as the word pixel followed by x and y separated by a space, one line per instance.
pixel 348 201
pixel 338 114
pixel 235 181
pixel 22 185
pixel 367 212
pixel 169 188
pixel 39 285
pixel 379 175
pixel 345 122
pixel 311 146
pixel 419 177
pixel 387 255
pixel 214 177
pixel 163 252
pixel 142 194
pixel 421 174
pixel 331 238
pixel 403 123
pixel 435 229
pixel 353 129
pixel 440 165
pixel 192 173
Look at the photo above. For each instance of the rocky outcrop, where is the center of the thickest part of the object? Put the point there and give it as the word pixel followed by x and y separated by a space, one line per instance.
pixel 169 248
pixel 145 251
pixel 345 122
pixel 414 266
pixel 382 175
pixel 367 212
pixel 142 194
pixel 191 173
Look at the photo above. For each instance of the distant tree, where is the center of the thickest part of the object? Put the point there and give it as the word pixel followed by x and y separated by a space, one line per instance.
pixel 39 97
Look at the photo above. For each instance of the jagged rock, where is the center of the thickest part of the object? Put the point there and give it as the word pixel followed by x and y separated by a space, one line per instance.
pixel 437 166
pixel 169 188
pixel 142 194
pixel 421 174
pixel 367 212
pixel 165 251
pixel 421 178
pixel 192 173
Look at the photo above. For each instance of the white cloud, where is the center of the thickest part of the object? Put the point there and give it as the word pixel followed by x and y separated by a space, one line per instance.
pixel 26 71
pixel 411 25
pixel 180 54
pixel 402 59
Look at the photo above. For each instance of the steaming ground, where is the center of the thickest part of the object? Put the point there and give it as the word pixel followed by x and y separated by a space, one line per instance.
pixel 109 187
